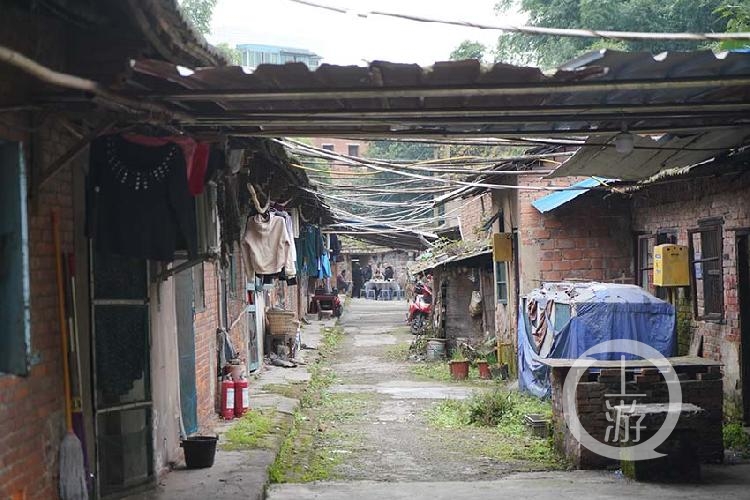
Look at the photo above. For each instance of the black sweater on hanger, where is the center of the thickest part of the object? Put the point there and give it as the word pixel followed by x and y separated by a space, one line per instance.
pixel 138 202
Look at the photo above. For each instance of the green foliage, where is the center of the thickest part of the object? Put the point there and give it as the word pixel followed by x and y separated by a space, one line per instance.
pixel 400 150
pixel 622 15
pixel 468 50
pixel 232 54
pixel 737 15
pixel 504 412
pixel 199 13
pixel 248 431
pixel 736 438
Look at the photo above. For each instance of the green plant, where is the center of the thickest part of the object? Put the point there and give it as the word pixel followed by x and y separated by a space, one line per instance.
pixel 489 408
pixel 458 355
pixel 736 438
pixel 248 431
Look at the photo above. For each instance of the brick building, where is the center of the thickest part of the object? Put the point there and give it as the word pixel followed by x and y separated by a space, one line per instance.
pixel 146 330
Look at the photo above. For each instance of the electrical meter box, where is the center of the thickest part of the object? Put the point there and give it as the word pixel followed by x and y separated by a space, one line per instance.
pixel 502 247
pixel 671 267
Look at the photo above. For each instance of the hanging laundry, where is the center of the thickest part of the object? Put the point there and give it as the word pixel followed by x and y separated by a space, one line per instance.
pixel 195 154
pixel 294 212
pixel 138 202
pixel 266 247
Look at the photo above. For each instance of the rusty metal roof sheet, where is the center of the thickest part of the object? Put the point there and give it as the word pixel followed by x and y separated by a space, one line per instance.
pixel 591 95
pixel 598 157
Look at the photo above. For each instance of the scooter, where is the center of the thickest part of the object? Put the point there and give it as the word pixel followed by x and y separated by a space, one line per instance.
pixel 420 309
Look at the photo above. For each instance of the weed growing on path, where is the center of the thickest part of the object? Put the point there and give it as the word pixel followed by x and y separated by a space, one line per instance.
pixel 503 412
pixel 249 431
pixel 310 451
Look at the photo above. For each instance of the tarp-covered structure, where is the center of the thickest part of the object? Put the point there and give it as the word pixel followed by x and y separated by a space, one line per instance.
pixel 564 320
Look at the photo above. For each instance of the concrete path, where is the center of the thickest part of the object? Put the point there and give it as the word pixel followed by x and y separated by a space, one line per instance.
pixel 398 456
pixel 242 474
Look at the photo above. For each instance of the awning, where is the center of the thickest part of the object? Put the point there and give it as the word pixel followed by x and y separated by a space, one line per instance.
pixel 441 260
pixel 559 198
pixel 598 156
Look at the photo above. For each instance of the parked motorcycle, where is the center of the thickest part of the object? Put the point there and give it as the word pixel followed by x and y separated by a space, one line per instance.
pixel 419 309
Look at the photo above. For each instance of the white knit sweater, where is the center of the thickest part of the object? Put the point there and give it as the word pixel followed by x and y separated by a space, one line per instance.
pixel 266 247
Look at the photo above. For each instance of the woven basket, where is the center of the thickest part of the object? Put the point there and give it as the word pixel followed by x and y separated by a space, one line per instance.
pixel 281 322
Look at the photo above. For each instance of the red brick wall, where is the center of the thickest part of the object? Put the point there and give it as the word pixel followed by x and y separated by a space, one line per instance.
pixel 32 408
pixel 587 239
pixel 679 206
pixel 474 214
pixel 206 323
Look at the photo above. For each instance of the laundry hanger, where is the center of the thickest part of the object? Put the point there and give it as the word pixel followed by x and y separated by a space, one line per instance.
pixel 262 210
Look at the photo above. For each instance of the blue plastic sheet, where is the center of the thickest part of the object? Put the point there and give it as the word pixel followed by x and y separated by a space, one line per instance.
pixel 599 313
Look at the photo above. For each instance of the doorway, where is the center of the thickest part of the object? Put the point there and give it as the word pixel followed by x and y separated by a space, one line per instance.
pixel 185 312
pixel 121 375
pixel 743 289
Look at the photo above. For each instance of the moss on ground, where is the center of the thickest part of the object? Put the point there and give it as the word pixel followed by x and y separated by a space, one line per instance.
pixel 735 438
pixel 501 412
pixel 250 431
pixel 313 445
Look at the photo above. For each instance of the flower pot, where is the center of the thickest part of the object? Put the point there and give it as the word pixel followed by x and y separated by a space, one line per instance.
pixel 484 370
pixel 459 369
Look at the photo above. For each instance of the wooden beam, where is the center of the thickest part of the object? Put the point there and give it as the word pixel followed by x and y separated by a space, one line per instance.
pixel 592 109
pixel 498 90
pixel 72 153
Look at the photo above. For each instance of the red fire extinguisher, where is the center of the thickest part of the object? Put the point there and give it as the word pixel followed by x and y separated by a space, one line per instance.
pixel 227 398
pixel 241 396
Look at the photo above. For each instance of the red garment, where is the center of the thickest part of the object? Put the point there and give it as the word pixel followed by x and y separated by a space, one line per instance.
pixel 195 153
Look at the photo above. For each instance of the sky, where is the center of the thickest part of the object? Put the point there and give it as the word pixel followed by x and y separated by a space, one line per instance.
pixel 349 39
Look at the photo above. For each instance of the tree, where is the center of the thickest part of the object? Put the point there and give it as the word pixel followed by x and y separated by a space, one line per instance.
pixel 199 13
pixel 232 54
pixel 468 50
pixel 695 16
pixel 737 14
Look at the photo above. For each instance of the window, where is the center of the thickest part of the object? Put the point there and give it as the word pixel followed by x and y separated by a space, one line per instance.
pixel 645 261
pixel 353 149
pixel 15 297
pixel 328 147
pixel 705 245
pixel 501 282
pixel 199 287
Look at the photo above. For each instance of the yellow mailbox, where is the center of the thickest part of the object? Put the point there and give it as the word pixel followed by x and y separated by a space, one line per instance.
pixel 671 266
pixel 502 247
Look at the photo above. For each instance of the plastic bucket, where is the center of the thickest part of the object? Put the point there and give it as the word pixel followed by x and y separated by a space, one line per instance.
pixel 199 451
pixel 435 349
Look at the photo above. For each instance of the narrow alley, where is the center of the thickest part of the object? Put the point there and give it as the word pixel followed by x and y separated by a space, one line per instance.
pixel 374 438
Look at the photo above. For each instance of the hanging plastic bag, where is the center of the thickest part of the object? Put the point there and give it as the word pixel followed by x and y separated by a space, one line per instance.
pixel 475 306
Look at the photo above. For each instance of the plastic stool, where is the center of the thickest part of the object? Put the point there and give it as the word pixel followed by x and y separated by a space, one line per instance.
pixel 385 294
pixel 362 293
pixel 371 294
pixel 401 294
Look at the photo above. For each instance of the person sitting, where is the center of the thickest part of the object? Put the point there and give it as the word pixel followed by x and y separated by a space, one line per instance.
pixel 341 283
pixel 378 274
pixel 388 273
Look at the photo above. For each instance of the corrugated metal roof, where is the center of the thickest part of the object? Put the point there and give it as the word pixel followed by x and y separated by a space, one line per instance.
pixel 598 157
pixel 559 198
pixel 692 90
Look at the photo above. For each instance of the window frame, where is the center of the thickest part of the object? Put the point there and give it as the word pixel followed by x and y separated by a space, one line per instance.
pixel 706 226
pixel 501 284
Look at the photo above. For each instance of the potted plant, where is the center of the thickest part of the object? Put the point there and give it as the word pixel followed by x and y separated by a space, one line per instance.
pixel 459 366
pixel 484 368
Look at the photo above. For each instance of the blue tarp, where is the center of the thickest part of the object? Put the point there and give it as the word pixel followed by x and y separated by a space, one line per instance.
pixel 582 316
pixel 558 198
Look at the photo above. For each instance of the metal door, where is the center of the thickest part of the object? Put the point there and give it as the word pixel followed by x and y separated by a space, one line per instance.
pixel 185 309
pixel 122 382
